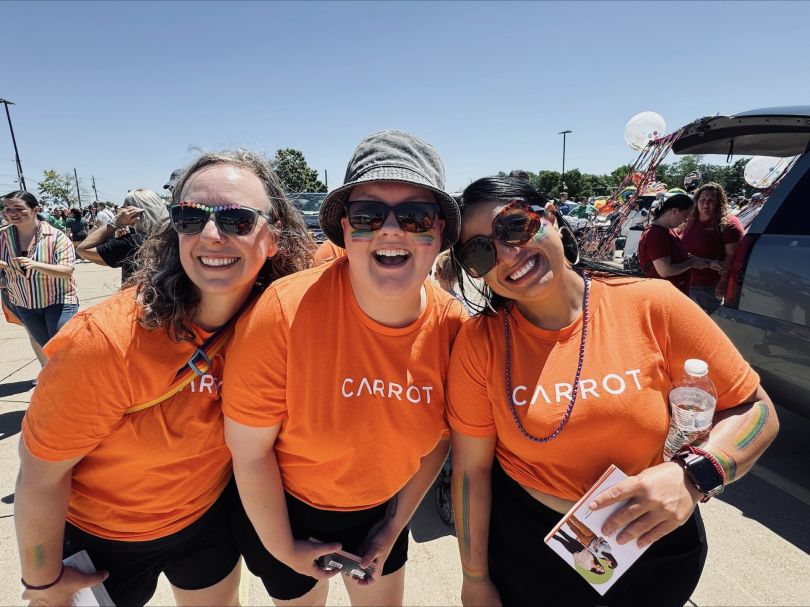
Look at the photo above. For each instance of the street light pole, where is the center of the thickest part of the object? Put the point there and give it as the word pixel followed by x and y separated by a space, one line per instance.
pixel 564 133
pixel 20 176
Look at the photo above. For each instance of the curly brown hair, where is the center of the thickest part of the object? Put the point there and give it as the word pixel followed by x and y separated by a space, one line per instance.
pixel 167 296
pixel 720 214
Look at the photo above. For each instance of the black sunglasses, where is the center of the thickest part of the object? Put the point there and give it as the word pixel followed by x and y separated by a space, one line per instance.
pixel 514 225
pixel 191 217
pixel 370 215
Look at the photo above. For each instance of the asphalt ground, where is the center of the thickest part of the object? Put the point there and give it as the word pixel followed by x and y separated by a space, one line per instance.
pixel 758 529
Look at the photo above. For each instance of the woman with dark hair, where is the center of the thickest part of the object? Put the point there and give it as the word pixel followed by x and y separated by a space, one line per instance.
pixel 712 233
pixel 76 226
pixel 38 260
pixel 566 372
pixel 138 473
pixel 660 252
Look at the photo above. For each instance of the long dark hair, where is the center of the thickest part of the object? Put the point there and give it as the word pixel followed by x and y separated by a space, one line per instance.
pixel 167 295
pixel 476 293
pixel 680 202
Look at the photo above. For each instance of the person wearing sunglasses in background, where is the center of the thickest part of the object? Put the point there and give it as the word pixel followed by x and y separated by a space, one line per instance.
pixel 116 244
pixel 566 372
pixel 138 473
pixel 334 396
pixel 661 252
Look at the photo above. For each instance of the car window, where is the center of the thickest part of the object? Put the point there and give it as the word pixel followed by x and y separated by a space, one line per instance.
pixel 793 216
pixel 308 202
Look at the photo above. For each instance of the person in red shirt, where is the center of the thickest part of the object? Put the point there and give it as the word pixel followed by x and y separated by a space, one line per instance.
pixel 566 371
pixel 712 233
pixel 660 252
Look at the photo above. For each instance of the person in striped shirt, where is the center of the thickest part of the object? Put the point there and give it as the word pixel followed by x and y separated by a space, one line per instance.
pixel 38 262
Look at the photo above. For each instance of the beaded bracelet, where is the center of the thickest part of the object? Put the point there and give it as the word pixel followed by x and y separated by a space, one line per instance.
pixel 45 586
pixel 711 458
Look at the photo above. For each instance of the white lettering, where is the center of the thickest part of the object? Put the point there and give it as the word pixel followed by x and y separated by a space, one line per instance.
pixel 207 381
pixel 348 380
pixel 540 390
pixel 427 390
pixel 566 392
pixel 379 384
pixel 515 400
pixel 364 382
pixel 418 398
pixel 394 389
pixel 618 378
pixel 590 387
pixel 634 373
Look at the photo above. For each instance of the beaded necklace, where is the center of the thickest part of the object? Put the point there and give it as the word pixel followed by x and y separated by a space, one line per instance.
pixel 575 389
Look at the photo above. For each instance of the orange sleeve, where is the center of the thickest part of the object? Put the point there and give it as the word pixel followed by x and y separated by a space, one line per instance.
pixel 254 385
pixel 686 331
pixel 81 394
pixel 469 409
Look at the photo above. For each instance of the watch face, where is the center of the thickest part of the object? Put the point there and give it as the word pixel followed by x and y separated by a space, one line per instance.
pixel 704 474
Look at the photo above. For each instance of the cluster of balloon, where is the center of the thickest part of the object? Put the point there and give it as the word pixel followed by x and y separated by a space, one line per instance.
pixel 626 193
pixel 692 180
pixel 643 128
pixel 762 171
pixel 636 178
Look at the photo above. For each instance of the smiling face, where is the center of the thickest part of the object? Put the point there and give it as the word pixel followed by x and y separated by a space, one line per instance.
pixel 523 273
pixel 390 262
pixel 221 264
pixel 18 213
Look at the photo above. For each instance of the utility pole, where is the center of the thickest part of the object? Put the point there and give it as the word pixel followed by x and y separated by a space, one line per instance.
pixel 78 193
pixel 94 186
pixel 563 133
pixel 326 179
pixel 20 176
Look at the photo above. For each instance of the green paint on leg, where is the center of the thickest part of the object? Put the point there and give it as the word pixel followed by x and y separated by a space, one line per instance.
pixel 465 513
pixel 39 555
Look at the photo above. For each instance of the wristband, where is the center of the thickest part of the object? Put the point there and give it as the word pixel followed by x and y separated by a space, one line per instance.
pixel 708 456
pixel 45 586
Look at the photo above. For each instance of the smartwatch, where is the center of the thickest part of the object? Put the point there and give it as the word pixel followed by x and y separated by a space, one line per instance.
pixel 702 471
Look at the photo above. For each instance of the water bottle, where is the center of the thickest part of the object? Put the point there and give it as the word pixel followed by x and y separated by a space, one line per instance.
pixel 692 402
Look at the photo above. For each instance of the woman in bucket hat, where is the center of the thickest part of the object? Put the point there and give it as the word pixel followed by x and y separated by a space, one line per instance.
pixel 334 395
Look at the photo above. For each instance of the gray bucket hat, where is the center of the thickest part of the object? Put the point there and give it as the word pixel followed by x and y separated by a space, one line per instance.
pixel 393 156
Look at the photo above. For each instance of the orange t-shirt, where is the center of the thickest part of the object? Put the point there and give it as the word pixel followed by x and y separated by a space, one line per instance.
pixel 144 475
pixel 639 334
pixel 328 251
pixel 359 403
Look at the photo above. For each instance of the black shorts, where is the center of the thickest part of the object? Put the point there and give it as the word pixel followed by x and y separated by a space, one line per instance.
pixel 526 571
pixel 350 528
pixel 196 557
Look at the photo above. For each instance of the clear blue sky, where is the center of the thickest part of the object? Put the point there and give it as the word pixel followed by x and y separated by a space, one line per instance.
pixel 125 91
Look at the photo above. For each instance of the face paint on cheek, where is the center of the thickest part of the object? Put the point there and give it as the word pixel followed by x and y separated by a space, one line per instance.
pixel 424 240
pixel 540 235
pixel 362 236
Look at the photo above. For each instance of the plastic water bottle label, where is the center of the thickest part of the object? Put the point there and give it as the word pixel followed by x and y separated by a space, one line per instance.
pixel 692 409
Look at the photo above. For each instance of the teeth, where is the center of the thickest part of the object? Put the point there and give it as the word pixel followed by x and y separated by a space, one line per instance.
pixel 218 261
pixel 391 252
pixel 524 270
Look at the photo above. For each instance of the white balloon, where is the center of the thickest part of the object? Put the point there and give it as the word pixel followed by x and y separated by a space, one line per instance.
pixel 762 171
pixel 643 128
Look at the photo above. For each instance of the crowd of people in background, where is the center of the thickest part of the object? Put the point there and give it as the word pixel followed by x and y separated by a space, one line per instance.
pixel 269 401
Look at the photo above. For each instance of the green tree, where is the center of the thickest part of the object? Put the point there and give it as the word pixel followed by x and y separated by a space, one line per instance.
pixel 294 172
pixel 56 189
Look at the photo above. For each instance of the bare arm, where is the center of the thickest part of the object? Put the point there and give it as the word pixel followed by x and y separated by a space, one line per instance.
pixel 721 286
pixel 665 267
pixel 407 501
pixel 51 269
pixel 262 492
pixel 87 247
pixel 662 498
pixel 472 502
pixel 40 506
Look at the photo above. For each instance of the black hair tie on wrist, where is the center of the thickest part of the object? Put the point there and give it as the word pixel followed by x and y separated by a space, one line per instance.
pixel 45 586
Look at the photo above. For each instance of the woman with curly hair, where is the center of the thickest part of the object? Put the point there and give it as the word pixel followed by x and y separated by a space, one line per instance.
pixel 711 233
pixel 137 473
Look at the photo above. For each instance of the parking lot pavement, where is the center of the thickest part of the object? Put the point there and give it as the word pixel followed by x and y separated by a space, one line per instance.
pixel 758 529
